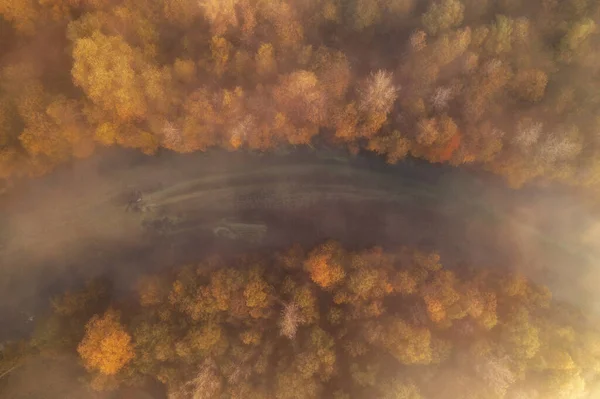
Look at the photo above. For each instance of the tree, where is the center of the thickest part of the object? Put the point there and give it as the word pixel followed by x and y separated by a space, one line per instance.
pixel 220 15
pixel 407 343
pixel 366 13
pixel 266 64
pixel 105 68
pixel 154 343
pixel 366 376
pixel 151 290
pixel 200 342
pixel 106 347
pixel 324 265
pixel 333 71
pixel 318 357
pixel 220 49
pixel 23 14
pixel 501 36
pixel 575 38
pixel 225 285
pixel 83 302
pixel 284 23
pixel 497 373
pixel 530 85
pixel 257 294
pixel 465 332
pixel 399 389
pixel 394 146
pixel 305 297
pixel 399 9
pixel 345 120
pixel 299 96
pixel 443 15
pixel 290 319
pixel 185 12
pixel 427 132
pixel 205 384
pixel 290 385
pixel 52 128
pixel 527 133
pixel 562 144
pixel 439 295
pixel 520 336
pixel 493 77
pixel 441 97
pixel 449 46
pixel 377 95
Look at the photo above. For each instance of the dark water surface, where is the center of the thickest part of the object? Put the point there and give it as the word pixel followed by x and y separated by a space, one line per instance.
pixel 77 223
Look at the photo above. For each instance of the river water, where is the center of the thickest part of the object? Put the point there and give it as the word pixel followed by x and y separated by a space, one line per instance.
pixel 120 214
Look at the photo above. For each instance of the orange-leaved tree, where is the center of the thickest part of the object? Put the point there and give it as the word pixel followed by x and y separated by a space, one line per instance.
pixel 106 346
pixel 324 266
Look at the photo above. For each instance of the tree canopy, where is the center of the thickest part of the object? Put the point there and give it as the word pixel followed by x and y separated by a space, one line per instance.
pixel 329 322
pixel 508 86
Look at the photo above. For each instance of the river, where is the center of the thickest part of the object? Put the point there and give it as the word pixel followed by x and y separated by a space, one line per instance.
pixel 121 214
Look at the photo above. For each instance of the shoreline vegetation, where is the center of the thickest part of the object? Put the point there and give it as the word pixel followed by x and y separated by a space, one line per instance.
pixel 323 322
pixel 508 86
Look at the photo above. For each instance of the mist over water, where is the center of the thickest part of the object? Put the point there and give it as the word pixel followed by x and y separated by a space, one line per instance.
pixel 464 128
pixel 61 230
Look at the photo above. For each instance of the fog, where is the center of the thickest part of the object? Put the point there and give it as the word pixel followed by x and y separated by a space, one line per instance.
pixel 466 127
pixel 62 230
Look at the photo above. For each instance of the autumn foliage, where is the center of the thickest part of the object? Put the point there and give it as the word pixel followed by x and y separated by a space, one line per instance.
pixel 323 267
pixel 106 346
pixel 504 85
pixel 332 322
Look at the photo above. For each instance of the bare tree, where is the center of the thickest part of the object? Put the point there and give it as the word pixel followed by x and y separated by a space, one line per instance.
pixel 378 93
pixel 206 384
pixel 527 134
pixel 441 97
pixel 239 132
pixel 418 40
pixel 561 145
pixel 290 319
pixel 496 372
pixel 171 136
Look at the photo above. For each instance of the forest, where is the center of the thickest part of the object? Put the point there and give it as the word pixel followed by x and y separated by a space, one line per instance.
pixel 504 85
pixel 508 87
pixel 325 322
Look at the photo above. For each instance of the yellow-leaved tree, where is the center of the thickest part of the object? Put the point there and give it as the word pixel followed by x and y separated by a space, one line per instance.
pixel 106 346
pixel 105 69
